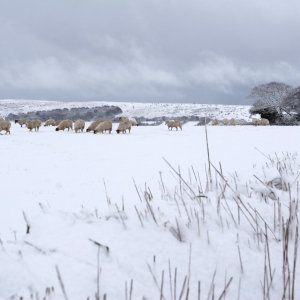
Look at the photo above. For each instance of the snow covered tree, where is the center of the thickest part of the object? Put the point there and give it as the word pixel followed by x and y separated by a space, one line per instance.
pixel 292 101
pixel 269 100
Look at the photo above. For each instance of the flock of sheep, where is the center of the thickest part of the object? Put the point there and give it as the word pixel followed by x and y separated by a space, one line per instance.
pixel 96 126
pixel 231 122
pixel 106 125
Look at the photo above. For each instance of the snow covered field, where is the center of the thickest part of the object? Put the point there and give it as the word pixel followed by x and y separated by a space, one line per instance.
pixel 78 191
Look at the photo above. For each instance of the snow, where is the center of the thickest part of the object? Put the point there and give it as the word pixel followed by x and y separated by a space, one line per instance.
pixel 78 189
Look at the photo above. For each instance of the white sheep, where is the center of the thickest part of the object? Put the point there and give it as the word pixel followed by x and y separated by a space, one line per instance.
pixel 93 126
pixel 173 123
pixel 22 121
pixel 39 124
pixel 5 125
pixel 263 122
pixel 124 125
pixel 104 126
pixel 214 122
pixel 255 121
pixel 64 124
pixel 56 123
pixel 232 122
pixel 33 124
pixel 133 122
pixel 122 119
pixel 79 125
pixel 49 122
pixel 225 121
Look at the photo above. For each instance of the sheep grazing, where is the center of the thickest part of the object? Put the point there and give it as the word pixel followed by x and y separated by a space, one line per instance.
pixel 5 125
pixel 232 122
pixel 39 123
pixel 79 125
pixel 225 122
pixel 33 124
pixel 172 123
pixel 122 119
pixel 49 122
pixel 104 126
pixel 133 122
pixel 214 122
pixel 255 121
pixel 22 121
pixel 93 126
pixel 65 124
pixel 263 122
pixel 56 123
pixel 124 125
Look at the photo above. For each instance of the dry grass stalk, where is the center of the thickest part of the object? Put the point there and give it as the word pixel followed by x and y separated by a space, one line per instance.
pixel 120 216
pixel 137 190
pixel 162 284
pixel 177 204
pixel 208 240
pixel 187 213
pixel 226 287
pixel 37 248
pixel 230 213
pixel 183 288
pixel 240 259
pixel 61 283
pixel 189 269
pixel 294 264
pixel 212 284
pixel 139 216
pixel 155 281
pixel 178 231
pixel 27 223
pixel 170 277
pixel 162 183
pixel 208 155
pixel 180 177
pixel 98 274
pixel 131 289
pixel 240 284
pixel 107 198
pixel 268 252
pixel 175 282
pixel 151 211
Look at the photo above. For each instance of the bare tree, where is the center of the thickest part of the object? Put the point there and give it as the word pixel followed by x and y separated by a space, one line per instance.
pixel 271 95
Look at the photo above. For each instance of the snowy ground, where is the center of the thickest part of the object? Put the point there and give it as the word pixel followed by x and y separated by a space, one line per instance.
pixel 147 110
pixel 78 189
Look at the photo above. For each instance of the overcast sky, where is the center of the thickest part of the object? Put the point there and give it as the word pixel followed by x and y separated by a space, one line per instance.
pixel 147 50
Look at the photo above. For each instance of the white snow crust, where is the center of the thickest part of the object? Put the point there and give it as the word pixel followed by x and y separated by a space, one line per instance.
pixel 77 190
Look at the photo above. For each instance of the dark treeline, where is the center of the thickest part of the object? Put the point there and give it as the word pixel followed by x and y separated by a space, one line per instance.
pixel 84 113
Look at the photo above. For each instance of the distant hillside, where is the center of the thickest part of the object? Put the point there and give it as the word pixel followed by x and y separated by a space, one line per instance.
pixel 139 110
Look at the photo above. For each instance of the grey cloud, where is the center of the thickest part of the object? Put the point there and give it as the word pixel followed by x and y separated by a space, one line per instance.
pixel 193 51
